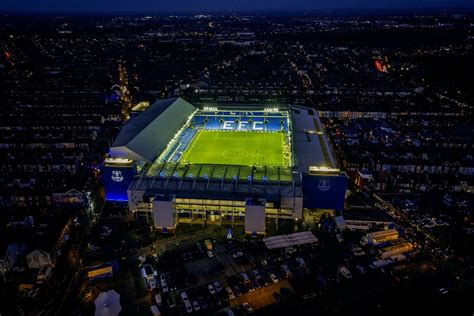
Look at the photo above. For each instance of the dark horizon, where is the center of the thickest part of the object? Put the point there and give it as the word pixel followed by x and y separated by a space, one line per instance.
pixel 263 12
pixel 216 6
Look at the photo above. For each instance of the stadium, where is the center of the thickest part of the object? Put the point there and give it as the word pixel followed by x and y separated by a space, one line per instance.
pixel 223 164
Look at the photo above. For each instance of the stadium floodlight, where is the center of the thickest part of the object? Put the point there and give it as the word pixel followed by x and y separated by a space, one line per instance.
pixel 322 169
pixel 117 160
pixel 270 110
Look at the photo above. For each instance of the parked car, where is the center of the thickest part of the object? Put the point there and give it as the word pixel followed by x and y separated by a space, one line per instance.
pixel 155 311
pixel 286 271
pixel 230 293
pixel 217 286
pixel 152 285
pixel 237 291
pixel 187 303
pixel 158 299
pixel 345 272
pixel 184 296
pixel 274 278
pixel 361 269
pixel 227 312
pixel 248 309
pixel 211 289
pixel 257 275
pixel 164 287
pixel 237 254
pixel 196 306
pixel 245 277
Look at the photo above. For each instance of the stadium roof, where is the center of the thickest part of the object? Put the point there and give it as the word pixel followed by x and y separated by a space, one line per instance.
pixel 146 135
pixel 309 141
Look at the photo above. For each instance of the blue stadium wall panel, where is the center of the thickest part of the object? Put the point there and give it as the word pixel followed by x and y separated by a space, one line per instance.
pixel 116 181
pixel 325 192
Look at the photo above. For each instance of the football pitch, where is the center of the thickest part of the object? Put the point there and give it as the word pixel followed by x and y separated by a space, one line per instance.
pixel 236 148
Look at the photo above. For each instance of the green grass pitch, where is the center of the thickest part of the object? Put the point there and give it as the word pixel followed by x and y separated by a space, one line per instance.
pixel 236 148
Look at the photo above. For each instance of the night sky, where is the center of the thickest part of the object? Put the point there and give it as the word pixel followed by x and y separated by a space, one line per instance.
pixel 205 5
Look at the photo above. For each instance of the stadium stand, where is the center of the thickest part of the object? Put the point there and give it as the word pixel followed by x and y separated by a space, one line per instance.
pixel 273 122
pixel 181 144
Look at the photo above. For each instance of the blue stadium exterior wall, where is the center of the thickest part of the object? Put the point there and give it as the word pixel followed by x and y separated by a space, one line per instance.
pixel 116 181
pixel 324 191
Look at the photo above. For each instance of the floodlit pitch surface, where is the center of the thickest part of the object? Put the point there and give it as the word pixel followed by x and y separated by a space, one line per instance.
pixel 236 148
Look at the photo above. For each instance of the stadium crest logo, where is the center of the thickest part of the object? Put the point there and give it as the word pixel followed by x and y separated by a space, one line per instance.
pixel 324 185
pixel 117 175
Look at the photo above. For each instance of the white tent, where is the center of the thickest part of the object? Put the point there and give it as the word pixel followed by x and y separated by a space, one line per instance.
pixel 108 304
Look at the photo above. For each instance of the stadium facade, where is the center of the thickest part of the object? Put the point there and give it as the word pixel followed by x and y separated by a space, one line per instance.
pixel 237 164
